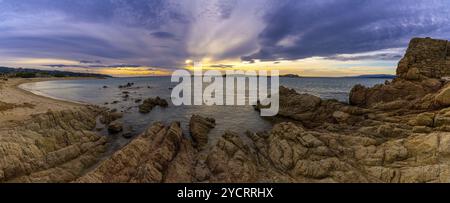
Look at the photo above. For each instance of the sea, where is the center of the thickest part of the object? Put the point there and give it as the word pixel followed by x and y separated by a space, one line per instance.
pixel 239 119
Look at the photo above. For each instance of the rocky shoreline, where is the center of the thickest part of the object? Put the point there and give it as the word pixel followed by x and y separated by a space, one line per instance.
pixel 397 132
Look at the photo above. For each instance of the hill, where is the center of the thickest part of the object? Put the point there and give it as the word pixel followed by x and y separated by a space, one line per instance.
pixel 31 73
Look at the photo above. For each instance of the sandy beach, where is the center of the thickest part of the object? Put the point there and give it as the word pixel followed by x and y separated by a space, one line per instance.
pixel 17 104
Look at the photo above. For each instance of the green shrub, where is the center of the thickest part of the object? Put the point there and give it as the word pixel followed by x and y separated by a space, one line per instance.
pixel 25 75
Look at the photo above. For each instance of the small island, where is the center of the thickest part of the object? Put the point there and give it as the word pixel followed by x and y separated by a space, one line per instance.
pixel 290 76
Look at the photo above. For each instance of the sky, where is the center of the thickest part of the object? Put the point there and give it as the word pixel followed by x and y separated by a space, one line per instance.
pixel 156 37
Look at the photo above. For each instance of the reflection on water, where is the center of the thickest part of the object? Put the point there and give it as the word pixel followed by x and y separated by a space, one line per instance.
pixel 234 118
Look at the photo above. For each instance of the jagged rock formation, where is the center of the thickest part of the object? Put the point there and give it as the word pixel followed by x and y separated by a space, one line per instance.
pixel 199 128
pixel 411 93
pixel 109 116
pixel 150 103
pixel 288 153
pixel 151 157
pixel 425 58
pixel 398 132
pixel 115 127
pixel 52 147
pixel 421 78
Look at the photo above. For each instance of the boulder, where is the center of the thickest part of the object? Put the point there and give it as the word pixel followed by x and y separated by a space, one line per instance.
pixel 115 127
pixel 308 109
pixel 110 116
pixel 358 95
pixel 413 74
pixel 443 98
pixel 442 118
pixel 150 103
pixel 423 119
pixel 341 116
pixel 199 128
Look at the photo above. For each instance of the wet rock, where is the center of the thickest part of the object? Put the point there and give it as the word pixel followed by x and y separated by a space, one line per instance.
pixel 128 132
pixel 150 103
pixel 110 116
pixel 199 128
pixel 115 127
pixel 128 85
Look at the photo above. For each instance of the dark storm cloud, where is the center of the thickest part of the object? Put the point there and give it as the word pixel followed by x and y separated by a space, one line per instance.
pixel 147 13
pixel 94 66
pixel 100 30
pixel 300 29
pixel 163 35
pixel 59 45
pixel 89 61
pixel 384 56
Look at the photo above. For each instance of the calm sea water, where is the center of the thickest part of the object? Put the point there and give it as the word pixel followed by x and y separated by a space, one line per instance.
pixel 234 118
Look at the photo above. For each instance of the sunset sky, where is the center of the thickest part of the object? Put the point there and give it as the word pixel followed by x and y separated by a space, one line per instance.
pixel 155 37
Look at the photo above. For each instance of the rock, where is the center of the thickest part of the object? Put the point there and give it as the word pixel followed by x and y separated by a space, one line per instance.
pixel 105 87
pixel 150 103
pixel 199 128
pixel 341 116
pixel 413 74
pixel 399 89
pixel 424 58
pixel 110 116
pixel 442 118
pixel 128 85
pixel 115 127
pixel 308 109
pixel 128 132
pixel 358 95
pixel 424 119
pixel 443 98
pixel 147 159
pixel 422 129
pixel 127 135
pixel 53 147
